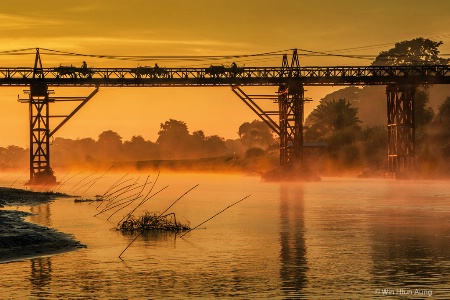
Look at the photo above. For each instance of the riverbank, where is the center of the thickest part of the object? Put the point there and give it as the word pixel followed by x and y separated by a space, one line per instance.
pixel 23 240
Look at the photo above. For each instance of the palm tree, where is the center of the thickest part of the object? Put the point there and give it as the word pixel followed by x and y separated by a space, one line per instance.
pixel 331 116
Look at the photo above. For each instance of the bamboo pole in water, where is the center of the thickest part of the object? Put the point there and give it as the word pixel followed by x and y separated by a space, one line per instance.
pixel 179 199
pixel 83 185
pixel 137 197
pixel 142 202
pixel 98 179
pixel 83 179
pixel 18 178
pixel 113 186
pixel 140 233
pixel 130 189
pixel 54 188
pixel 122 191
pixel 68 180
pixel 215 215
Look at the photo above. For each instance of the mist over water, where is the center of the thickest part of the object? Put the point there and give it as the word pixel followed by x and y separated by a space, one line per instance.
pixel 341 238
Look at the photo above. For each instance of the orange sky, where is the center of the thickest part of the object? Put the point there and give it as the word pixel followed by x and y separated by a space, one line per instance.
pixel 200 27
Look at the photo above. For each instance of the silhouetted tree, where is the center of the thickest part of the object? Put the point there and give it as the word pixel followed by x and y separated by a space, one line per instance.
pixel 331 116
pixel 441 127
pixel 374 145
pixel 197 144
pixel 443 121
pixel 423 113
pixel 215 145
pixel 443 115
pixel 139 149
pixel 418 51
pixel 109 145
pixel 13 157
pixel 256 134
pixel 63 151
pixel 173 139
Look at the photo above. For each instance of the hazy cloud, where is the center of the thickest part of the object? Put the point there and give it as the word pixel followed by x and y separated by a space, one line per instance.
pixel 10 21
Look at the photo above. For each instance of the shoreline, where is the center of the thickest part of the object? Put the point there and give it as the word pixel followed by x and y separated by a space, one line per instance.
pixel 22 240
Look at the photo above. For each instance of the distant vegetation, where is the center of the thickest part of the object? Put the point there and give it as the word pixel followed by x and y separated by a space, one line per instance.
pixel 351 122
pixel 175 148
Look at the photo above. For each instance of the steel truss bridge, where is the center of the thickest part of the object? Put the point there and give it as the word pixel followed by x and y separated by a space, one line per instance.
pixel 286 121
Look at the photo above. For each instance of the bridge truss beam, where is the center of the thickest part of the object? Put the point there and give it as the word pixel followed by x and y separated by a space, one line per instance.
pixel 401 129
pixel 264 115
pixel 245 76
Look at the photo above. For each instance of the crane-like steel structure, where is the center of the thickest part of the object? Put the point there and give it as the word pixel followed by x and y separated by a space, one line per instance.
pixel 290 80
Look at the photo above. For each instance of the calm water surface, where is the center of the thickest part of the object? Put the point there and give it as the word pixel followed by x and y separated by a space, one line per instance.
pixel 334 239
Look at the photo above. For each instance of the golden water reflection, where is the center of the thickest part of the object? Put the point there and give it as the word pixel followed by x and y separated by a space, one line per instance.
pixel 293 263
pixel 336 239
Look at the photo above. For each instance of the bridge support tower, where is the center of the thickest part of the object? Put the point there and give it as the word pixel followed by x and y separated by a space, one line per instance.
pixel 291 115
pixel 290 99
pixel 39 118
pixel 39 101
pixel 290 110
pixel 401 130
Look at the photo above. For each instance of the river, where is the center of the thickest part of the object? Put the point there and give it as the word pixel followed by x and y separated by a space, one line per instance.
pixel 340 238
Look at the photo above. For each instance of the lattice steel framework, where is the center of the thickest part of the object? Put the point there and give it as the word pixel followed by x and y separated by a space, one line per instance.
pixel 401 128
pixel 243 76
pixel 39 101
pixel 290 112
pixel 39 117
pixel 291 103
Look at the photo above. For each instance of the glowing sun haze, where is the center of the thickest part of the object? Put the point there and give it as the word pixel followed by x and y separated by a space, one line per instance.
pixel 185 28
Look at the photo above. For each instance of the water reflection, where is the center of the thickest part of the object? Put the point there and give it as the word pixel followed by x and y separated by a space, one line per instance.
pixel 41 276
pixel 41 268
pixel 153 235
pixel 410 242
pixel 359 237
pixel 292 241
pixel 41 214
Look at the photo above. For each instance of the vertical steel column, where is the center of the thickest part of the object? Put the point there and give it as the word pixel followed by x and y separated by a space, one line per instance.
pixel 39 116
pixel 40 170
pixel 401 128
pixel 290 104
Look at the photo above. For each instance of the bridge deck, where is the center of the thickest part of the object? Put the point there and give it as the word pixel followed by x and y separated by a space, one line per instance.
pixel 223 76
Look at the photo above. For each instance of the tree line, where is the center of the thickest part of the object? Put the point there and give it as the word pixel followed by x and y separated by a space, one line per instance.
pixel 174 142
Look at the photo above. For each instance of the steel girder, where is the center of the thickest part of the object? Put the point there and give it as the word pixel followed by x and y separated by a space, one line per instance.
pixel 245 76
pixel 266 116
pixel 401 129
